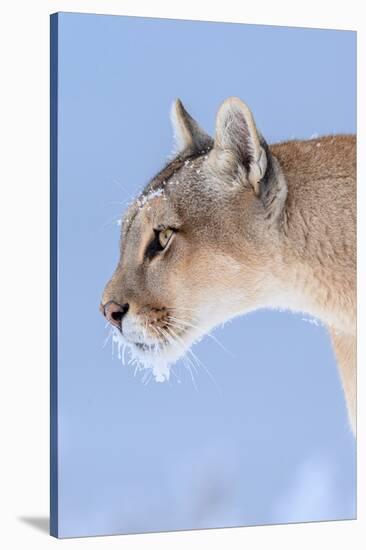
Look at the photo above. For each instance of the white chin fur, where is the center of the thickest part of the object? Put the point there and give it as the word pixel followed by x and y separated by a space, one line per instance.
pixel 158 361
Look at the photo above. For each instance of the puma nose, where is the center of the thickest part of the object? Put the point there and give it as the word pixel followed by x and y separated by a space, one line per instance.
pixel 114 313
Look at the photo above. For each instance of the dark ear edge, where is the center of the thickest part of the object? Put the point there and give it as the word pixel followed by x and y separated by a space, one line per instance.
pixel 189 136
pixel 272 187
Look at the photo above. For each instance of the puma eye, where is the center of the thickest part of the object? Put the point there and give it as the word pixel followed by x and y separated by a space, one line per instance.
pixel 164 237
pixel 159 242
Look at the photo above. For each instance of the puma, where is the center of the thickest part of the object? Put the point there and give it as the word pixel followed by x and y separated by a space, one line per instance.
pixel 231 225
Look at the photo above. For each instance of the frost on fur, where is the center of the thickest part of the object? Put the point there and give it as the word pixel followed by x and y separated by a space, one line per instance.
pixel 159 368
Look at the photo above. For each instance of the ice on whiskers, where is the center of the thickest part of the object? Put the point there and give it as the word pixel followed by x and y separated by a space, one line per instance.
pixel 159 367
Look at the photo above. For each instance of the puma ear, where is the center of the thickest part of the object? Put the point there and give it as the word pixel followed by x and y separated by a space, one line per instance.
pixel 188 134
pixel 236 132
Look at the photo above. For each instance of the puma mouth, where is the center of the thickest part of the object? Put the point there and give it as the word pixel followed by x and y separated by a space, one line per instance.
pixel 170 341
pixel 156 357
pixel 153 349
pixel 146 347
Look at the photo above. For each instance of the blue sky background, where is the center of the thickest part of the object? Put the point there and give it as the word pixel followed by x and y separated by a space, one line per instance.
pixel 268 441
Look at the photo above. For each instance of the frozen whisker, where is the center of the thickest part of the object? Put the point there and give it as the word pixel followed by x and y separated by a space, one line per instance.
pixel 210 375
pixel 118 203
pixel 182 311
pixel 202 365
pixel 187 324
pixel 188 367
pixel 188 363
pixel 183 347
pixel 312 321
pixel 182 322
pixel 127 354
pixel 124 189
pixel 110 222
pixel 172 371
pixel 108 337
pixel 155 361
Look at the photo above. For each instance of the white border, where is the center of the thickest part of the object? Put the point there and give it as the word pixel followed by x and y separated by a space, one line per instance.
pixel 24 269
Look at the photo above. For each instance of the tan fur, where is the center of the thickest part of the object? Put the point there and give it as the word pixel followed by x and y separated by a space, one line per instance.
pixel 256 226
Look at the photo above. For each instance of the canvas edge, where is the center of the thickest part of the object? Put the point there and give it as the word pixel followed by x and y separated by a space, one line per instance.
pixel 54 527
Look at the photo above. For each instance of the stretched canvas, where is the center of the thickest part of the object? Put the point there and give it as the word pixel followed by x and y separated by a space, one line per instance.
pixel 203 263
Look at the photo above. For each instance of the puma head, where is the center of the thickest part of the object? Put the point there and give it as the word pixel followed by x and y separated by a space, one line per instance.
pixel 197 244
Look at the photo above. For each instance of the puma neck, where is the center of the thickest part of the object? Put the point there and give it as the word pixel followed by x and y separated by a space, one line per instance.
pixel 314 270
